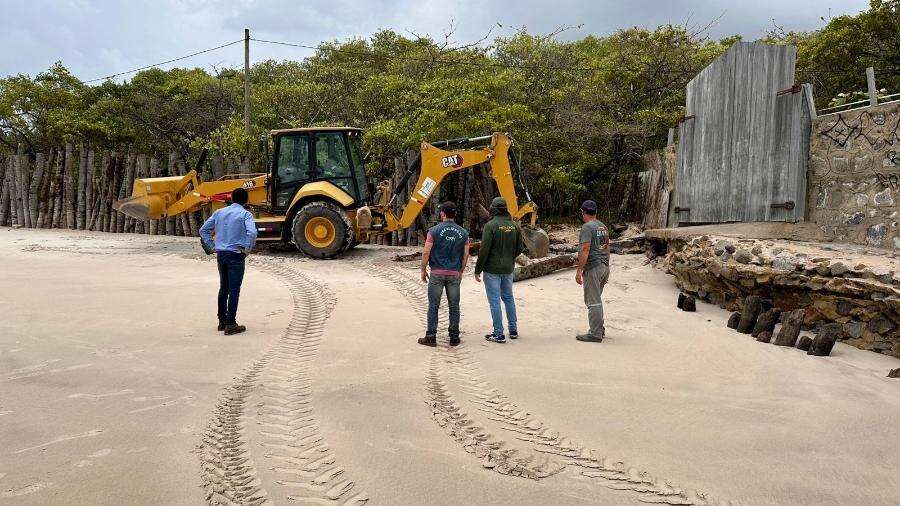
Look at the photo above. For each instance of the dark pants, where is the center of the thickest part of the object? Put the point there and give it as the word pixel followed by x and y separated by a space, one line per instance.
pixel 437 283
pixel 231 273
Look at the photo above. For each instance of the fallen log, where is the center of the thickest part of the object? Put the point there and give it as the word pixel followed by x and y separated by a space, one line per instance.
pixel 407 257
pixel 563 248
pixel 544 266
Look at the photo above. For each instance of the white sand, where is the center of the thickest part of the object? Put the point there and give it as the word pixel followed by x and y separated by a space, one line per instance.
pixel 125 347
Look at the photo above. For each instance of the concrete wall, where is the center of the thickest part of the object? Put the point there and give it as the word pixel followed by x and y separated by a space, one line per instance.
pixel 854 176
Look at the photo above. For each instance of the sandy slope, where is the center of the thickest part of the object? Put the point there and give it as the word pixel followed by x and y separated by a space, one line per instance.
pixel 124 348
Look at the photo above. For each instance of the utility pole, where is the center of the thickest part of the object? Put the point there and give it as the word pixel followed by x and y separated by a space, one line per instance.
pixel 247 81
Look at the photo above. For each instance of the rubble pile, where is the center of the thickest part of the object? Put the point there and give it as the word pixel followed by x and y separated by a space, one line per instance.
pixel 851 302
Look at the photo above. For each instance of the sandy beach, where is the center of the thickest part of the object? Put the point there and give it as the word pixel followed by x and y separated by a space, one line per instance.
pixel 116 389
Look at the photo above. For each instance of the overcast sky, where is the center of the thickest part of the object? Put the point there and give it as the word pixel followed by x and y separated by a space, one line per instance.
pixel 101 37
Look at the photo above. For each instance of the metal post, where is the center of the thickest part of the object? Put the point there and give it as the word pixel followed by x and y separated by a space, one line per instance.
pixel 873 92
pixel 247 81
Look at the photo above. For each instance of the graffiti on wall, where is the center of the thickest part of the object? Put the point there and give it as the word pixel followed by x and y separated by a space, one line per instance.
pixel 866 126
pixel 886 181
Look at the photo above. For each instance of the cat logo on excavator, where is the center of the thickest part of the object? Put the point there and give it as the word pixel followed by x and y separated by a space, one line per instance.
pixel 316 194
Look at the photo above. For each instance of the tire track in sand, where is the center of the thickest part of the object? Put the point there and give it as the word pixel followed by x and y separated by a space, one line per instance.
pixel 267 413
pixel 463 403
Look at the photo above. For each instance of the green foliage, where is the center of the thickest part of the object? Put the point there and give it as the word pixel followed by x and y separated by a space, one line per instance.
pixel 834 59
pixel 582 111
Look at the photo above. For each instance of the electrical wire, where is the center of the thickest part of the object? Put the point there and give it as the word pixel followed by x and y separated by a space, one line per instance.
pixel 162 63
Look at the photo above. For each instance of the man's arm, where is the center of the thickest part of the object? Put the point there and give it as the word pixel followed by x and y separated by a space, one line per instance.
pixel 206 230
pixel 584 250
pixel 426 254
pixel 485 251
pixel 250 225
pixel 465 261
pixel 520 242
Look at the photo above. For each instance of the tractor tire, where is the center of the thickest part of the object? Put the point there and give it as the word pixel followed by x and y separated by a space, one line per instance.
pixel 322 230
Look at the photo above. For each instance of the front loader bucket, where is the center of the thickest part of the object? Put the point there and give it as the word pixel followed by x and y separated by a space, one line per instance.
pixel 537 242
pixel 142 207
pixel 153 198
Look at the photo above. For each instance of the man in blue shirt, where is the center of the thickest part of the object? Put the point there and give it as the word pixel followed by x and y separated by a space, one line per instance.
pixel 446 253
pixel 235 231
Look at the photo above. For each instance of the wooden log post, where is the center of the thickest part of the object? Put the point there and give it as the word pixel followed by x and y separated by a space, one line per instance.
pixel 89 190
pixel 40 163
pixel 104 199
pixel 99 210
pixel 153 229
pixel 44 190
pixel 140 167
pixel 790 329
pixel 53 190
pixel 171 170
pixel 752 308
pixel 824 341
pixel 766 322
pixel 69 186
pixel 112 191
pixel 81 208
pixel 4 191
pixel 18 189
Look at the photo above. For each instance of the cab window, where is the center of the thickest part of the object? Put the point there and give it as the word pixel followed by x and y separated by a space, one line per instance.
pixel 293 167
pixel 293 159
pixel 332 163
pixel 359 166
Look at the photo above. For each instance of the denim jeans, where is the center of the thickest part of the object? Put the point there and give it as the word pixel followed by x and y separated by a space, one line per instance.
pixel 499 287
pixel 231 274
pixel 437 283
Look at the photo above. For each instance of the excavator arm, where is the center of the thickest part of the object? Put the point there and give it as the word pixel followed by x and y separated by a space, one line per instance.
pixel 436 164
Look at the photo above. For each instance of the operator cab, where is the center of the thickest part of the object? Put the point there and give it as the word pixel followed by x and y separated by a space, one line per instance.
pixel 307 155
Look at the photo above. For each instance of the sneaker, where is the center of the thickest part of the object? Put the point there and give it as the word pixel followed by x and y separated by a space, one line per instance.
pixel 454 341
pixel 234 329
pixel 513 334
pixel 221 327
pixel 428 340
pixel 495 339
pixel 588 338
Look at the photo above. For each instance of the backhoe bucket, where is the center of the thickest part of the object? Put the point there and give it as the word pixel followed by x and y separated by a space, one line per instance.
pixel 142 207
pixel 152 197
pixel 537 242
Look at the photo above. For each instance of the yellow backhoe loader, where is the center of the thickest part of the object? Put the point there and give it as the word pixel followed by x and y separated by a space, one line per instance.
pixel 316 194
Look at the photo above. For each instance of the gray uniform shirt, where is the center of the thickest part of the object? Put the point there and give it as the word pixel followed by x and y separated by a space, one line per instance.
pixel 595 233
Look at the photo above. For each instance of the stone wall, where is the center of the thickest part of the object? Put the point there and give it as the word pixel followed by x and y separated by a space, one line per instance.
pixel 854 176
pixel 863 299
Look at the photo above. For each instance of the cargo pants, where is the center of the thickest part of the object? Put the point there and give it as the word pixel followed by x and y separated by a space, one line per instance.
pixel 594 281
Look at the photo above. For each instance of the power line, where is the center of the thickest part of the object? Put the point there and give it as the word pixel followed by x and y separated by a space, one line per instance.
pixel 162 63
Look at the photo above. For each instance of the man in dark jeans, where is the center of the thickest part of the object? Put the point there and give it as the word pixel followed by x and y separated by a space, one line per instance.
pixel 235 235
pixel 446 253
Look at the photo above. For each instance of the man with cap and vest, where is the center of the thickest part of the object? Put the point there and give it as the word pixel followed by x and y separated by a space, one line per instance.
pixel 593 269
pixel 446 253
pixel 501 243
